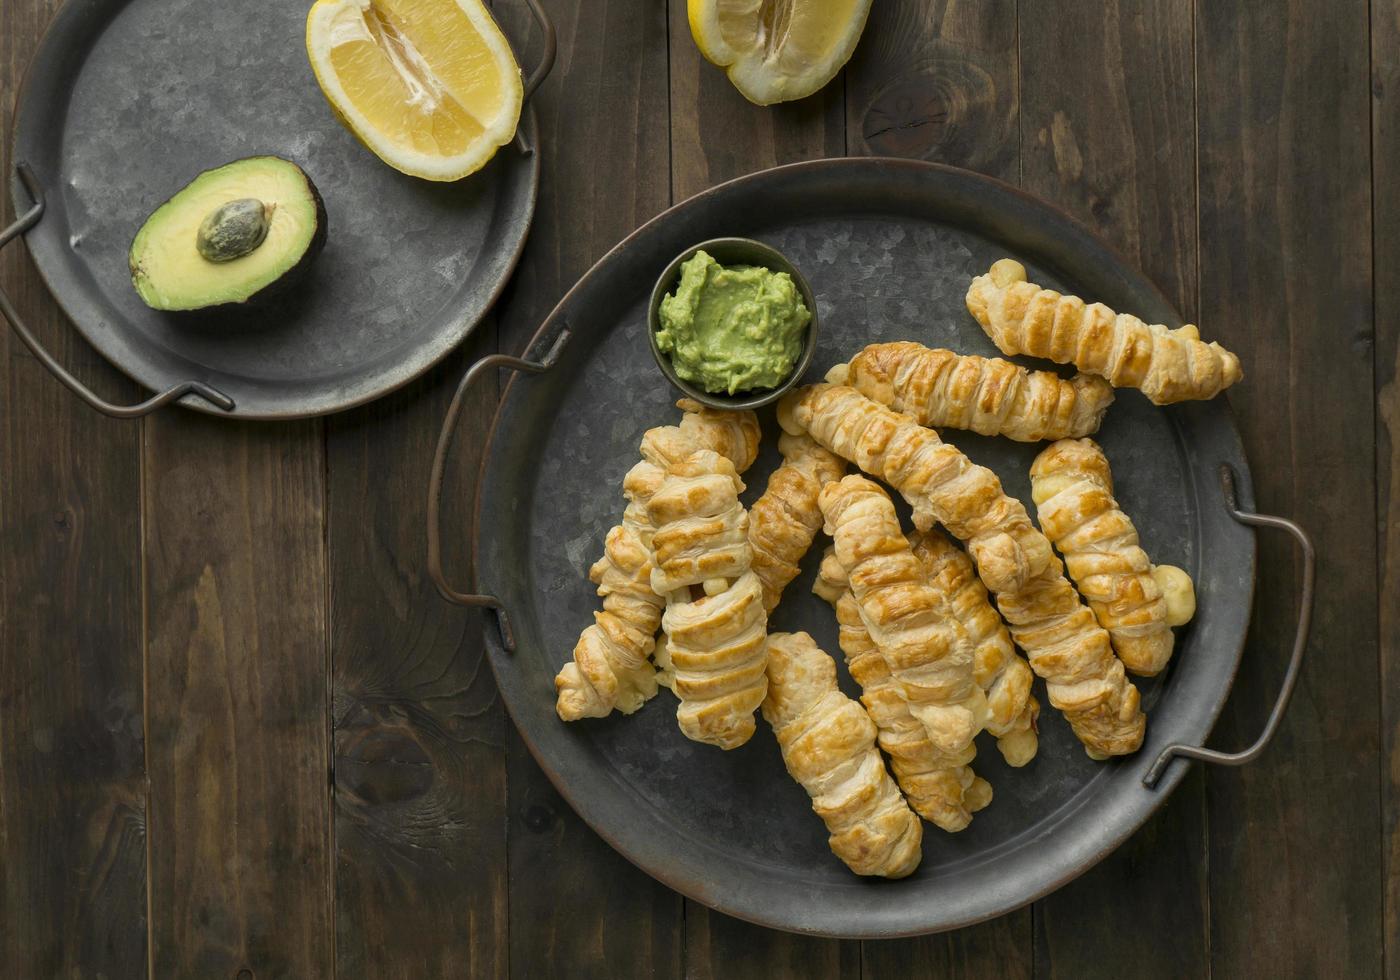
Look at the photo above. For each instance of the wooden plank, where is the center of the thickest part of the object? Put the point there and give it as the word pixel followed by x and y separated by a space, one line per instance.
pixel 236 698
pixel 577 908
pixel 1108 130
pixel 1385 208
pixel 420 781
pixel 1285 214
pixel 704 103
pixel 938 82
pixel 72 766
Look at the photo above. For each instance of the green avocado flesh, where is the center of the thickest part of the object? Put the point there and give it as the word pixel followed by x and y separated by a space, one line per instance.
pixel 732 328
pixel 205 247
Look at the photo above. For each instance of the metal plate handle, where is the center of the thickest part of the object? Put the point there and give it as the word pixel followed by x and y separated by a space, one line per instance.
pixel 542 69
pixel 1295 660
pixel 444 444
pixel 21 225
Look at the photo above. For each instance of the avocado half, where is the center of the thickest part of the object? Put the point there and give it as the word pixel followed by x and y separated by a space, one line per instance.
pixel 234 234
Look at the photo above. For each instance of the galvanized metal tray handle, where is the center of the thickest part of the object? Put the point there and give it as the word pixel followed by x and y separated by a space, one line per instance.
pixel 542 69
pixel 1295 660
pixel 22 224
pixel 449 425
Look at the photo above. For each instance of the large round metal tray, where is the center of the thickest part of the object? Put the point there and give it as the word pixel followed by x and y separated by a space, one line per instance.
pixel 127 100
pixel 889 248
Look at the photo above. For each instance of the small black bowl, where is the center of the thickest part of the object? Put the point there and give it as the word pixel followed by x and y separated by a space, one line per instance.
pixel 733 251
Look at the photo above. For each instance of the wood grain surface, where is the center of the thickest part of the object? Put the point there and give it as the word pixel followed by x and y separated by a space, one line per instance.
pixel 73 800
pixel 241 736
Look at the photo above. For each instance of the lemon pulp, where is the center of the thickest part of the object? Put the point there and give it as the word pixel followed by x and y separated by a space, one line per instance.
pixel 426 85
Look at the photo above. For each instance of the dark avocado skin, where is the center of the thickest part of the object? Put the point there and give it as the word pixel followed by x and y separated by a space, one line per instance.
pixel 279 288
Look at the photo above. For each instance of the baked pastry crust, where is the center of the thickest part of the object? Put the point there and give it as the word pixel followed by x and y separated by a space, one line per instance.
pixel 783 522
pixel 716 643
pixel 939 482
pixel 1166 365
pixel 929 656
pixel 717 648
pixel 609 668
pixel 1071 652
pixel 941 787
pixel 701 529
pixel 940 388
pixel 1073 490
pixel 997 667
pixel 828 745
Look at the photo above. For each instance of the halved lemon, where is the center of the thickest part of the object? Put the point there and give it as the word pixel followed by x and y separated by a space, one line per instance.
pixel 431 86
pixel 777 50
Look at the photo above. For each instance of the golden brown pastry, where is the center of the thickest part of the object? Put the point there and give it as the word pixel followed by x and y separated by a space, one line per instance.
pixel 702 531
pixel 831 581
pixel 717 649
pixel 716 642
pixel 1073 491
pixel 929 656
pixel 941 787
pixel 783 522
pixel 609 668
pixel 1167 365
pixel 1072 653
pixel 940 388
pixel 998 669
pixel 939 482
pixel 828 745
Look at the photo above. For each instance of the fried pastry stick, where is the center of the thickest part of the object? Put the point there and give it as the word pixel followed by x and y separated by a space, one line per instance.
pixel 939 482
pixel 609 668
pixel 996 665
pixel 929 656
pixel 1167 365
pixel 717 642
pixel 783 522
pixel 940 388
pixel 828 745
pixel 1057 632
pixel 1136 601
pixel 941 787
pixel 999 670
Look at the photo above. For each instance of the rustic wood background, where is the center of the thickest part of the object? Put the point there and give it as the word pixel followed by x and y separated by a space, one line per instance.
pixel 240 735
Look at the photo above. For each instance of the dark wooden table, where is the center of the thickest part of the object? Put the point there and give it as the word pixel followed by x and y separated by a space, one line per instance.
pixel 241 736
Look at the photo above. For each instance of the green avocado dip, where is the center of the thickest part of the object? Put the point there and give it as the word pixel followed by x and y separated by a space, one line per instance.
pixel 732 328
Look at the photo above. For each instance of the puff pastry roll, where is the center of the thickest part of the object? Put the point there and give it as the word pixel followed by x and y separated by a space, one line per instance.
pixel 609 668
pixel 828 745
pixel 1072 653
pixel 1167 365
pixel 1073 491
pixel 997 667
pixel 716 643
pixel 939 482
pixel 927 653
pixel 783 522
pixel 717 649
pixel 940 388
pixel 701 530
pixel 941 787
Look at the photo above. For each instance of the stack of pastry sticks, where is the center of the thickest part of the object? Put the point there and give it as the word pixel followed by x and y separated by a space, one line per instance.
pixel 929 629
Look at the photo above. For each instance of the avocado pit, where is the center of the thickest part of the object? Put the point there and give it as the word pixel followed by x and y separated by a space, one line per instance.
pixel 233 230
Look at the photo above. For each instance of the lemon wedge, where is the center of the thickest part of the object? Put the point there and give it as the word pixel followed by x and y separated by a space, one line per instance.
pixel 777 50
pixel 431 86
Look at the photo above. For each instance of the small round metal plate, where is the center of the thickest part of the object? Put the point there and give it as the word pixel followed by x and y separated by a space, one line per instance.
pixel 127 100
pixel 889 248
